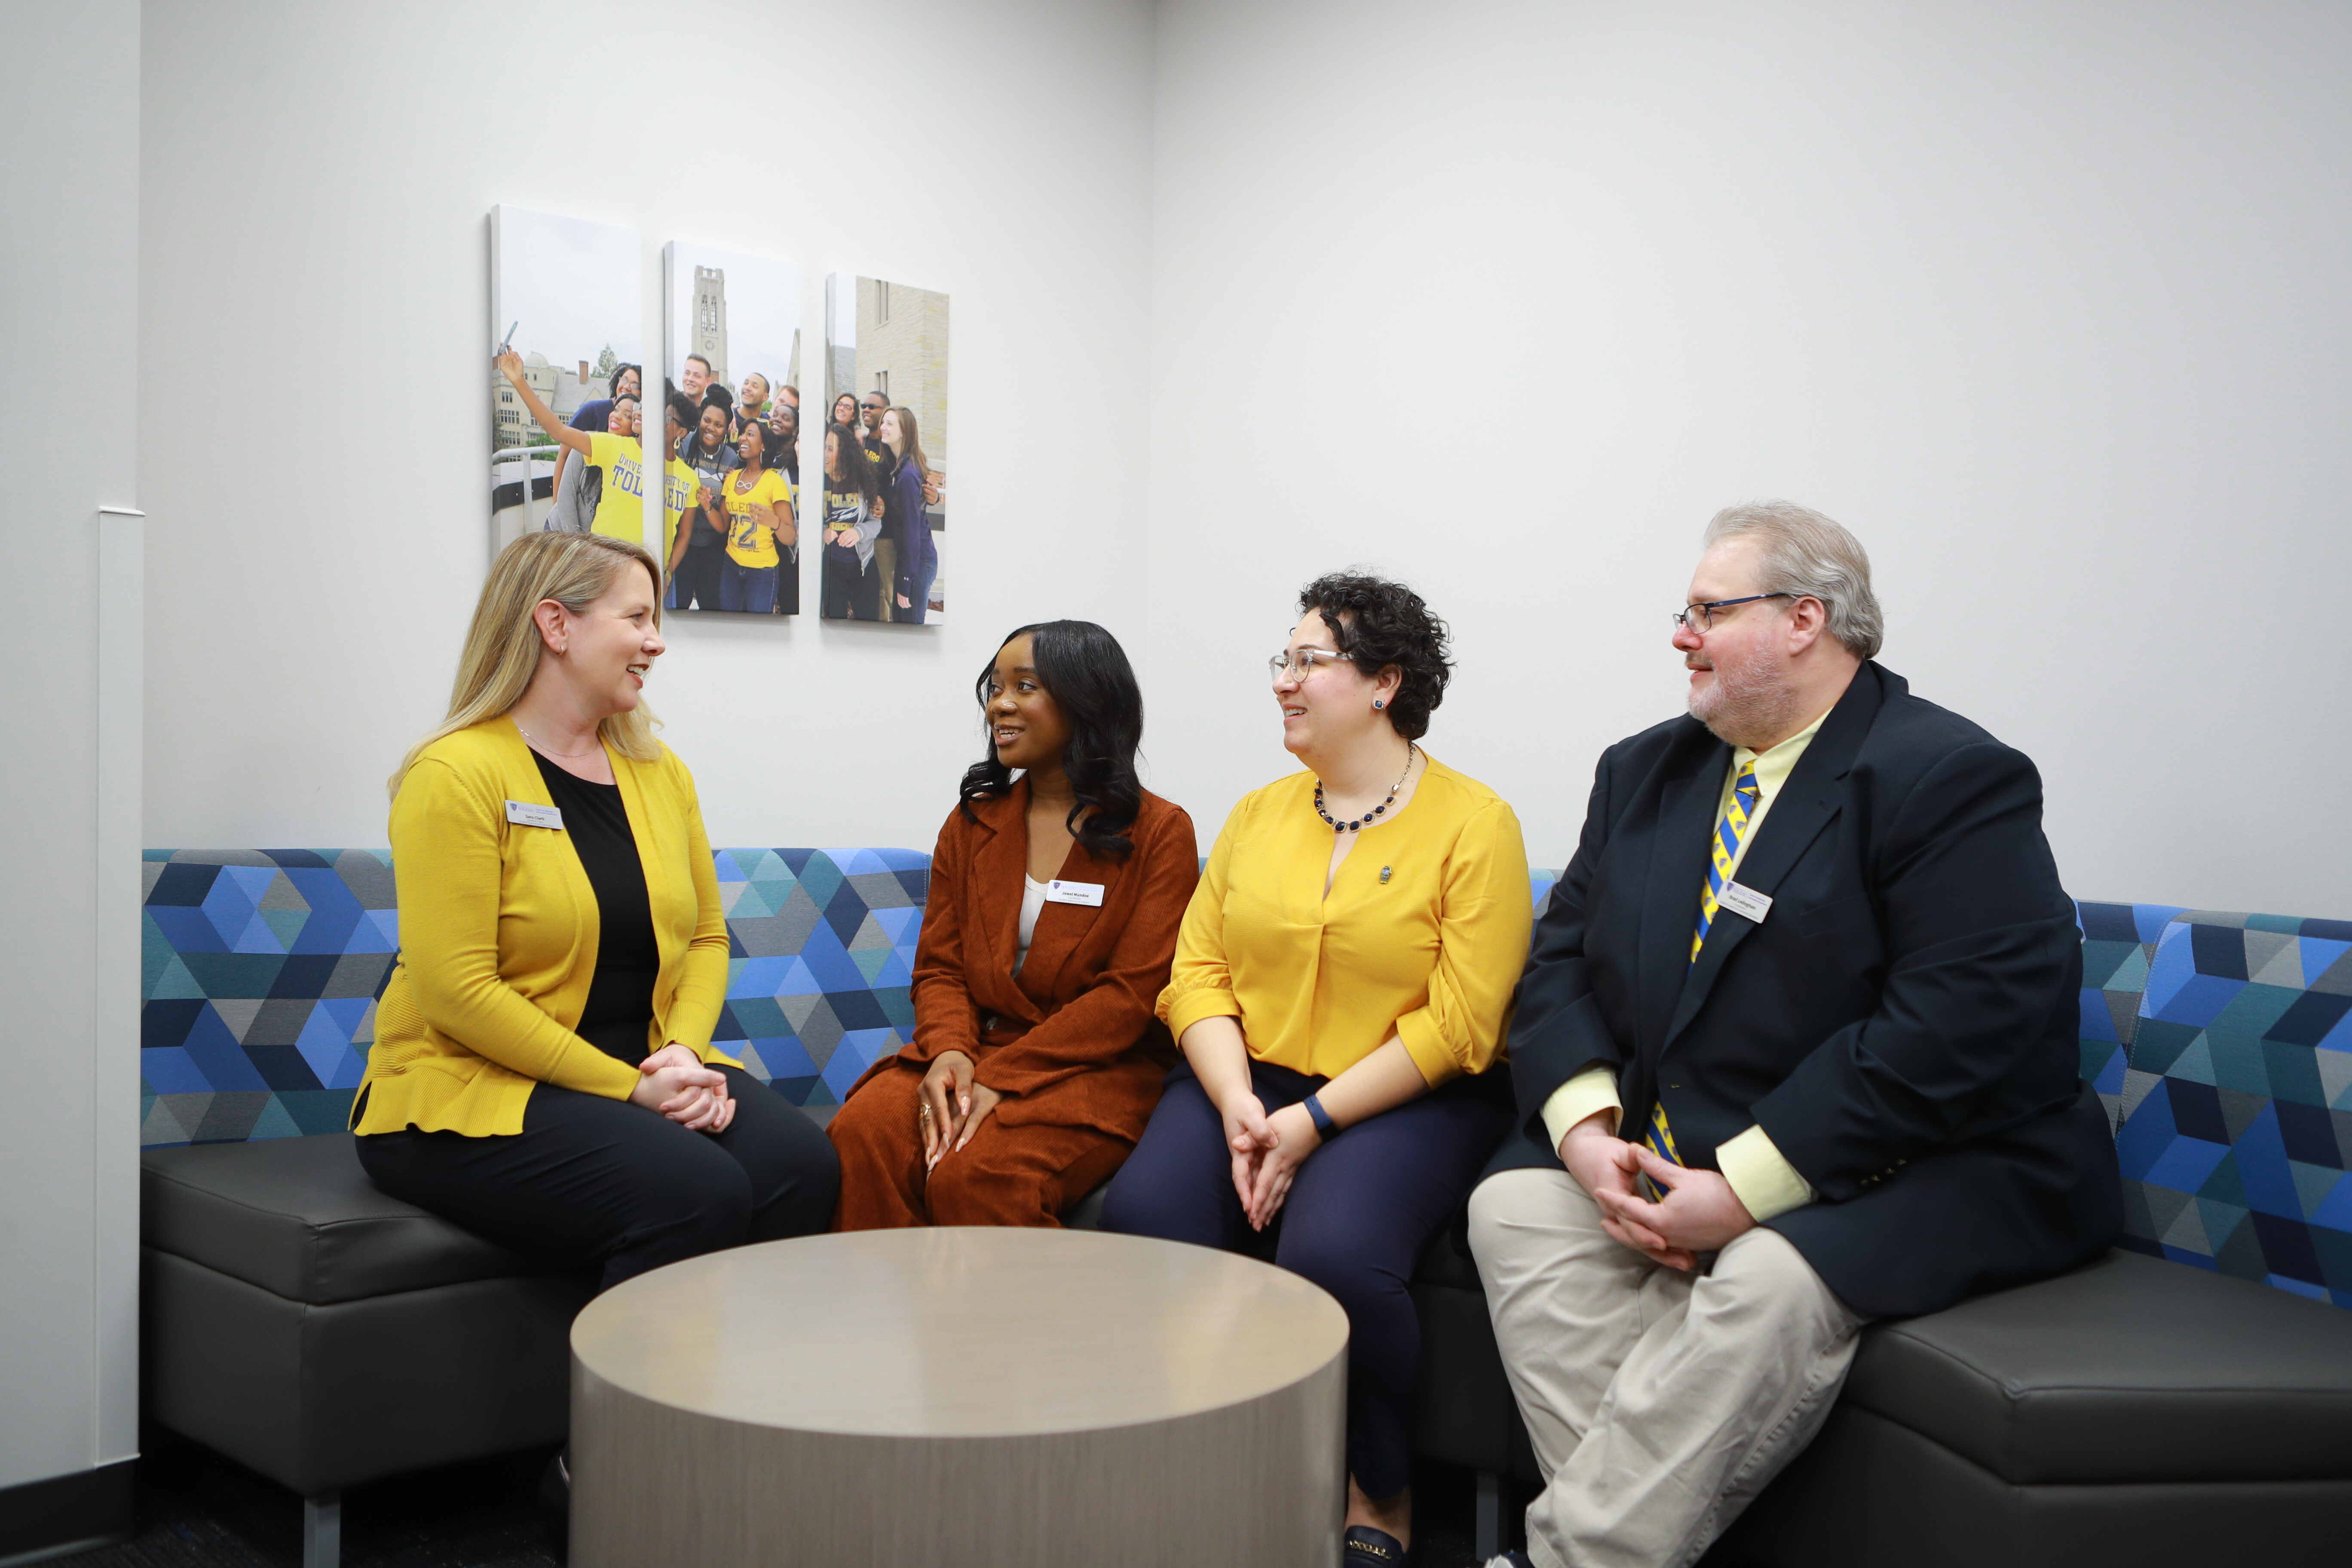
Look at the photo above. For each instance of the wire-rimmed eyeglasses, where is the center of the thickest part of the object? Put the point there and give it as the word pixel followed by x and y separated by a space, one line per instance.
pixel 1302 662
pixel 1700 617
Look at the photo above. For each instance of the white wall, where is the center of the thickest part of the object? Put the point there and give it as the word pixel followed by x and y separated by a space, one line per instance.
pixel 316 328
pixel 69 932
pixel 2047 305
pixel 2046 301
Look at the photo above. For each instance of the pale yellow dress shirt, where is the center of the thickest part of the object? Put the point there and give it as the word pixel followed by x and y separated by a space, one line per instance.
pixel 1765 1182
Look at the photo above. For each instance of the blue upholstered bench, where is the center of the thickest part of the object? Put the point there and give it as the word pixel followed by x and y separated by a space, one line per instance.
pixel 2186 1398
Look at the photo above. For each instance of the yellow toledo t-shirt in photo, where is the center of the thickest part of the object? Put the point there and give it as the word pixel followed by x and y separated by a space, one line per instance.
pixel 751 542
pixel 621 510
pixel 679 484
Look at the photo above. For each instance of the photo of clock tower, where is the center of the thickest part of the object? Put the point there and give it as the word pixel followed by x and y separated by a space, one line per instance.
pixel 709 319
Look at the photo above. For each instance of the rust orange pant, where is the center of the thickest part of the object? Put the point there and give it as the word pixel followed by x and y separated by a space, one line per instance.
pixel 1023 1174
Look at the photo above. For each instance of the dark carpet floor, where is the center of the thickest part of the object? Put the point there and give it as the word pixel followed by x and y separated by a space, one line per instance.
pixel 200 1512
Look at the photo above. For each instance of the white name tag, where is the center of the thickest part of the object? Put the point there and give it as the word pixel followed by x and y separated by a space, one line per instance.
pixel 1087 893
pixel 1745 901
pixel 531 815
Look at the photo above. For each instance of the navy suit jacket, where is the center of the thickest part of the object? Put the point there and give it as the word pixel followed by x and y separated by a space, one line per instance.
pixel 1902 1023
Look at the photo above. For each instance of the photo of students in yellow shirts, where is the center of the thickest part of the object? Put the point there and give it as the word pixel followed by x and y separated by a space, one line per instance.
pixel 620 511
pixel 759 501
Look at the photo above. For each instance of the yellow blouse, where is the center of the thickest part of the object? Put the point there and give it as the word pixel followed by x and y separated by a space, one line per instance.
pixel 1422 934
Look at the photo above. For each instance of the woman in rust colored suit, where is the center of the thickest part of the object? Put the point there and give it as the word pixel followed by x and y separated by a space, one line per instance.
pixel 1051 923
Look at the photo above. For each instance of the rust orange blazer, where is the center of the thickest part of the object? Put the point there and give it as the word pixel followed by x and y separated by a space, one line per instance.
pixel 1071 1040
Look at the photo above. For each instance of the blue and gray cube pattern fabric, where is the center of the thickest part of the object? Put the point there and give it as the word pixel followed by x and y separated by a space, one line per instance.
pixel 261 970
pixel 2236 1099
pixel 2220 1044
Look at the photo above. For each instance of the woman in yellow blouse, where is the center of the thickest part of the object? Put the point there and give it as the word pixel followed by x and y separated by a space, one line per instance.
pixel 759 501
pixel 1344 967
pixel 542 1071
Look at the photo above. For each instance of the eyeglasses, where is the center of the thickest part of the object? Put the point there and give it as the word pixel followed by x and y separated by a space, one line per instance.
pixel 1700 617
pixel 1302 662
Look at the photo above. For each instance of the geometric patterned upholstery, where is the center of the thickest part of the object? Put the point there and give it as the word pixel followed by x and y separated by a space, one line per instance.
pixel 2220 1044
pixel 2119 940
pixel 259 975
pixel 260 970
pixel 2237 1101
pixel 823 957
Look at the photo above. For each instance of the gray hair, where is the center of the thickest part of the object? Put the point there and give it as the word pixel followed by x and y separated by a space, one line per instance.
pixel 1808 555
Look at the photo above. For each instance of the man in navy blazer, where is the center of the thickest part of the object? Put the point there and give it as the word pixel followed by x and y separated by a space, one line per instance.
pixel 1795 1048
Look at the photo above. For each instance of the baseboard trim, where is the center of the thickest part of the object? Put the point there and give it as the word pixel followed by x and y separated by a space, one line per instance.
pixel 41 1520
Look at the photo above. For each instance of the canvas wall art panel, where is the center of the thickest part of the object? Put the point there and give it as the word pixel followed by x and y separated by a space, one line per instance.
pixel 730 431
pixel 885 515
pixel 567 411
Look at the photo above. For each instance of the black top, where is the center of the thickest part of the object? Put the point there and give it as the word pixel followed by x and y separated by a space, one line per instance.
pixel 620 992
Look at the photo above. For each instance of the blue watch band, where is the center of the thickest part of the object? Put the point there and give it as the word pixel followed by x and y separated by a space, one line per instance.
pixel 1325 1127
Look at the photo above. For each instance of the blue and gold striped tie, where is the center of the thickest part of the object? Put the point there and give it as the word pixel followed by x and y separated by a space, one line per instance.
pixel 1745 794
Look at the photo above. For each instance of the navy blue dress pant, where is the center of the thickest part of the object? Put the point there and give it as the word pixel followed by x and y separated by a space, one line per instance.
pixel 1358 1213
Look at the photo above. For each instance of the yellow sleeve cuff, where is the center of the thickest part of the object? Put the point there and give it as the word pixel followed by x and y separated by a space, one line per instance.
pixel 1763 1181
pixel 1594 1088
pixel 587 1070
pixel 1180 1010
pixel 1427 1049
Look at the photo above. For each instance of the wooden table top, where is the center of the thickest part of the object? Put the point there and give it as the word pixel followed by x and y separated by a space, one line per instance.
pixel 961 1332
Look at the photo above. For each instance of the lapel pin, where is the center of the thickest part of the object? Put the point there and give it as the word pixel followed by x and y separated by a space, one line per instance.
pixel 1384 876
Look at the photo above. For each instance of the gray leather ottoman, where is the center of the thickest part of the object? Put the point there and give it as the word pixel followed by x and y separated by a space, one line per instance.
pixel 324 1334
pixel 2135 1412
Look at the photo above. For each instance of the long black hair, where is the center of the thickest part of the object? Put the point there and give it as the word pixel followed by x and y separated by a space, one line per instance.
pixel 1085 673
pixel 856 474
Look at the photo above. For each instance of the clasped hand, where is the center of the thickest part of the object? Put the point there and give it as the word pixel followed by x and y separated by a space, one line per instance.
pixel 1268 1152
pixel 956 1106
pixel 674 1082
pixel 1698 1213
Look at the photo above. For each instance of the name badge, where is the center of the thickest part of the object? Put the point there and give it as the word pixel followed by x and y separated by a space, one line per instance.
pixel 1745 901
pixel 529 816
pixel 1087 893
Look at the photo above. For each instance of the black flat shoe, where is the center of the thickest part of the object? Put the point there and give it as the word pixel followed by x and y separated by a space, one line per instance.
pixel 1364 1547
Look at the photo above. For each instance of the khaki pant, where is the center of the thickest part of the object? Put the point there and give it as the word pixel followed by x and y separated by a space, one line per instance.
pixel 1659 1403
pixel 886 563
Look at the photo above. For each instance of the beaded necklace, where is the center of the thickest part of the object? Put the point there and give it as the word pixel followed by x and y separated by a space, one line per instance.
pixel 1359 823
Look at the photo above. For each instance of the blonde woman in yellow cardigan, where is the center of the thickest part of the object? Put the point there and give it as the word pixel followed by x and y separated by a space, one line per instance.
pixel 542 1072
pixel 1338 993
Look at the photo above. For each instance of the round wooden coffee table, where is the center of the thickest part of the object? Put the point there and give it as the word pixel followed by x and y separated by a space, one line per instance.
pixel 959 1395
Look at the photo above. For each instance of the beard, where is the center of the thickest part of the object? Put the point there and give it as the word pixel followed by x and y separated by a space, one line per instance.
pixel 1750 703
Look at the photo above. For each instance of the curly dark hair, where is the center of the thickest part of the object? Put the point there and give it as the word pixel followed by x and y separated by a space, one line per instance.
pixel 1087 674
pixel 1380 625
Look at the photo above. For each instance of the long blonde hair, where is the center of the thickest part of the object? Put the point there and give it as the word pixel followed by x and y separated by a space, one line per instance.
pixel 502 646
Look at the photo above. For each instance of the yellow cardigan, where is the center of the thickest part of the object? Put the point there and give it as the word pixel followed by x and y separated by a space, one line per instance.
pixel 498 939
pixel 1421 936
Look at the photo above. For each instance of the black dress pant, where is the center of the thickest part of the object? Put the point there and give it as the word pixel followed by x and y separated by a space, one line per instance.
pixel 592 1180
